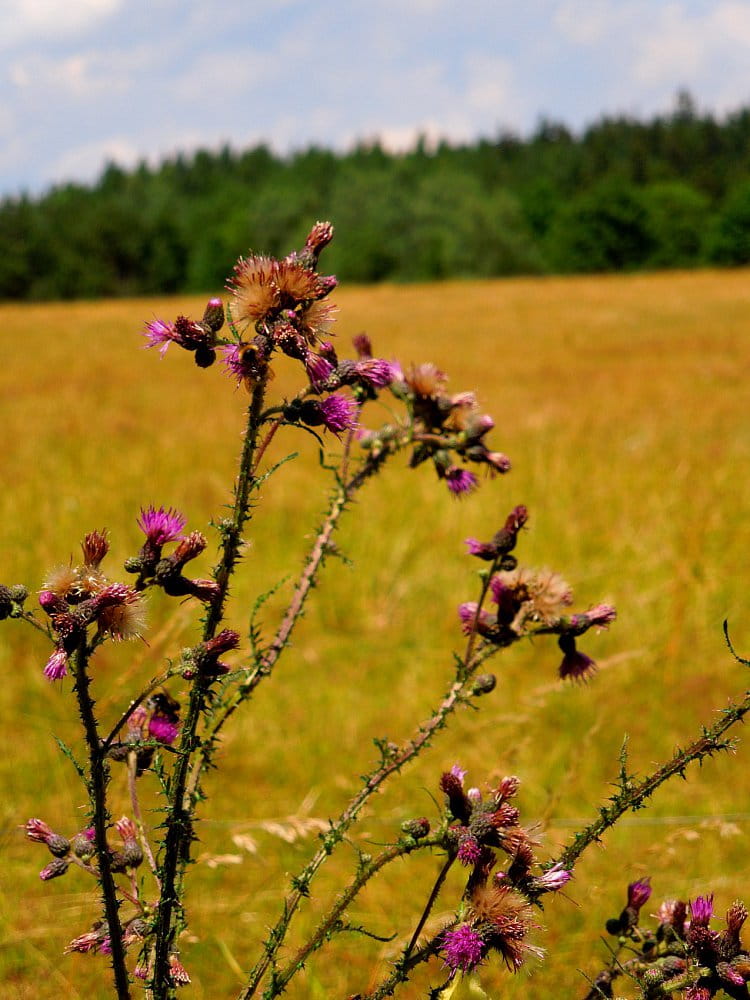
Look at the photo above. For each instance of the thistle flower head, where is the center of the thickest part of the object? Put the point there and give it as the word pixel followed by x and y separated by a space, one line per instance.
pixel 701 910
pixel 460 481
pixel 90 941
pixel 126 828
pixel 469 848
pixel 553 879
pixel 160 334
pixel 255 293
pixel 505 917
pixel 362 345
pixel 463 948
pixel 124 616
pixel 374 372
pixel 639 892
pixel 425 380
pixel 471 619
pixel 575 665
pixel 95 546
pixel 483 550
pixel 339 413
pixel 38 831
pixel 318 369
pixel 161 525
pixel 163 730
pixel 316 320
pixel 57 665
pixel 55 868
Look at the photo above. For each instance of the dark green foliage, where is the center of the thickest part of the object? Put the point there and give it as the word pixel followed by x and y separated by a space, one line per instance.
pixel 602 230
pixel 670 192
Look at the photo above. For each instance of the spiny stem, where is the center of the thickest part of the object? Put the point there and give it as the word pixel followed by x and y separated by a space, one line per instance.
pixel 301 591
pixel 634 794
pixel 403 967
pixel 97 783
pixel 179 820
pixel 430 903
pixel 345 898
pixel 458 693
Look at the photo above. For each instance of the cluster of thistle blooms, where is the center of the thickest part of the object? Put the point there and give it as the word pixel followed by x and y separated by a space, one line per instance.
pixel 280 306
pixel 80 851
pixel 529 602
pixel 79 597
pixel 84 610
pixel 497 908
pixel 683 954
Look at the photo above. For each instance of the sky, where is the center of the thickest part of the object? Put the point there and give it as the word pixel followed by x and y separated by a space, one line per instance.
pixel 84 82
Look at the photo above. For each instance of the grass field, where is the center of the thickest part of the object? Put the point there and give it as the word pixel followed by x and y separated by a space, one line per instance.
pixel 623 403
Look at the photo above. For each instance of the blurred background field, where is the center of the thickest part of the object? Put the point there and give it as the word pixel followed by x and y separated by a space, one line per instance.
pixel 623 403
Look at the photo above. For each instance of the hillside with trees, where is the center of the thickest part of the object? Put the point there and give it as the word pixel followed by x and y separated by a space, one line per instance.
pixel 671 192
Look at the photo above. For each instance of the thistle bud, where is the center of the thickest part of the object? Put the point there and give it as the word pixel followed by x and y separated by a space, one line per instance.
pixel 58 845
pixel 320 236
pixel 416 828
pixel 6 602
pixel 213 316
pixel 56 868
pixel 484 683
pixel 204 356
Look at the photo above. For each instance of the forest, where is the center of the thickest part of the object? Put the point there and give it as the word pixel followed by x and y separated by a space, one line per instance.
pixel 624 195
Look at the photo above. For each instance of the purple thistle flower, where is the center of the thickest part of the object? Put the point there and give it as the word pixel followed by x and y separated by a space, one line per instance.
pixel 460 481
pixel 374 371
pixel 467 612
pixel 57 666
pixel 232 360
pixel 639 892
pixel 469 848
pixel 318 369
pixel 463 948
pixel 729 974
pixel 56 868
pixel 458 772
pixel 575 665
pixel 483 550
pixel 160 334
pixel 162 525
pixel 163 730
pixel 553 879
pixel 362 345
pixel 497 461
pixel 701 910
pixel 339 413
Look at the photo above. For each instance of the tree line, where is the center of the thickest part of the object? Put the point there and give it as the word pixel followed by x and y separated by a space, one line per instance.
pixel 670 192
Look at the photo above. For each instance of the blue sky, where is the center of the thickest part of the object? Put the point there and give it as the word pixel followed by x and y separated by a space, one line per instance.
pixel 84 81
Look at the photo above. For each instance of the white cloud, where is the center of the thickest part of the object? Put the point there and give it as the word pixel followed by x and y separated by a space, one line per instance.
pixel 84 162
pixel 682 47
pixel 26 20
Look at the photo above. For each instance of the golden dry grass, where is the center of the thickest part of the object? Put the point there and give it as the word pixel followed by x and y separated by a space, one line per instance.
pixel 623 403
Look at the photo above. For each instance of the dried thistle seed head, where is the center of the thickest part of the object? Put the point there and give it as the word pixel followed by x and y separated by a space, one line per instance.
pixel 426 380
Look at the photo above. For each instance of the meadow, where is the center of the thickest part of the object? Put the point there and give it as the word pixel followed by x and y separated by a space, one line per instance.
pixel 623 403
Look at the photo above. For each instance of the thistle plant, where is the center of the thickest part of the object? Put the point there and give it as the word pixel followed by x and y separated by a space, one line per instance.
pixel 168 734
